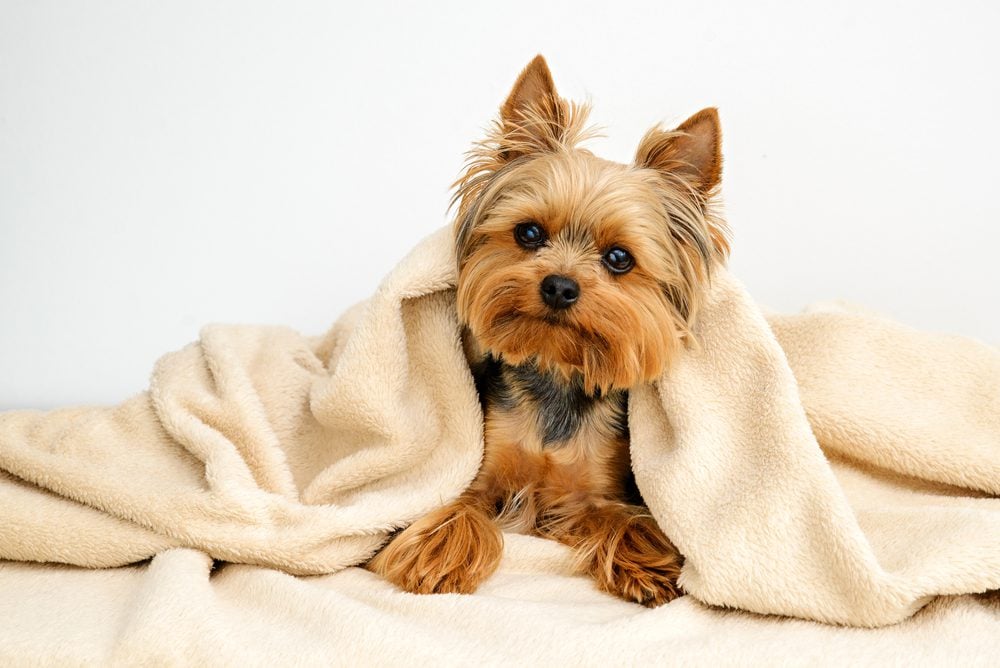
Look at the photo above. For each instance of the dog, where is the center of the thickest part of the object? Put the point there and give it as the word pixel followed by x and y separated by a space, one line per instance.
pixel 578 278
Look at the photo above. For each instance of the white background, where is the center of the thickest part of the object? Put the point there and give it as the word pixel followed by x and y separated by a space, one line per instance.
pixel 168 164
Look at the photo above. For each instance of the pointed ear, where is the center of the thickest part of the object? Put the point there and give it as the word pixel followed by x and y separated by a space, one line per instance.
pixel 533 88
pixel 693 151
pixel 534 116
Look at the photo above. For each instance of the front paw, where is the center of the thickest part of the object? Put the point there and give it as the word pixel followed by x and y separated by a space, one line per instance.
pixel 452 550
pixel 639 563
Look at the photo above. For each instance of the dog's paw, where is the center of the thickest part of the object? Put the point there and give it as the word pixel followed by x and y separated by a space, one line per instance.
pixel 640 564
pixel 650 587
pixel 452 550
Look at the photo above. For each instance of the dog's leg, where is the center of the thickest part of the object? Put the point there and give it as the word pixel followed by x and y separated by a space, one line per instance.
pixel 451 550
pixel 621 547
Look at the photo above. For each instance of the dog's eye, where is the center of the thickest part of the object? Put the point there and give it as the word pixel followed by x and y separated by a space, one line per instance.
pixel 618 260
pixel 530 234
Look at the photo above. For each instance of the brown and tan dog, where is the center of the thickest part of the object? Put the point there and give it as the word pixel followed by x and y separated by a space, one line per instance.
pixel 578 279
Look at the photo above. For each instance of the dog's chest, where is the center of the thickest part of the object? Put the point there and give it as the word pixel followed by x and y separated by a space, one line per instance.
pixel 545 411
pixel 543 432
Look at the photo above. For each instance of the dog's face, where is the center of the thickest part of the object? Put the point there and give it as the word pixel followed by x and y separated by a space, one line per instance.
pixel 583 265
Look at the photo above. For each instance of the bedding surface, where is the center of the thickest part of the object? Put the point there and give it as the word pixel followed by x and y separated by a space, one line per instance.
pixel 178 610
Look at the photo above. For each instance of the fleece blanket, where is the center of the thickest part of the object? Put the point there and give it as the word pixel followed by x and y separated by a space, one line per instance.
pixel 832 466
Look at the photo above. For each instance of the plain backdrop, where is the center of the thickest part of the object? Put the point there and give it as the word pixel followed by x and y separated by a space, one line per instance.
pixel 168 164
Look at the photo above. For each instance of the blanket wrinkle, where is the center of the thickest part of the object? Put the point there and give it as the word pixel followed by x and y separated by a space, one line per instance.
pixel 830 465
pixel 180 610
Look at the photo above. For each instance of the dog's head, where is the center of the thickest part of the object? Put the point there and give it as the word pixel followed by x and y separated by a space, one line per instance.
pixel 578 264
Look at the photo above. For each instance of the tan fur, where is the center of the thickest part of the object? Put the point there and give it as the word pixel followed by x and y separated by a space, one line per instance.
pixel 623 331
pixel 573 494
pixel 451 550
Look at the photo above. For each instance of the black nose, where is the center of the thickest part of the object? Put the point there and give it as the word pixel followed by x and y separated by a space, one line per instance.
pixel 559 291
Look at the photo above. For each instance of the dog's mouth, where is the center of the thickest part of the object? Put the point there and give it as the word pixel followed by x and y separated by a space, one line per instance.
pixel 556 320
pixel 557 342
pixel 508 318
pixel 559 320
pixel 562 322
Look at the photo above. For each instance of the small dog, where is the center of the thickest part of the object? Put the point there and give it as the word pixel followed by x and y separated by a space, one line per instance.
pixel 579 278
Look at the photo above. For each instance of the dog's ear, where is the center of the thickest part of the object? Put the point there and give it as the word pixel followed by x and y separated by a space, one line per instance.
pixel 691 156
pixel 534 88
pixel 692 152
pixel 534 117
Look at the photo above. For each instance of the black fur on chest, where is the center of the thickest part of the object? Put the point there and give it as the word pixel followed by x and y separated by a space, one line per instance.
pixel 562 406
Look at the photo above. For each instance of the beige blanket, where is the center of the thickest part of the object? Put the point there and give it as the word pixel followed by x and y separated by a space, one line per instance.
pixel 259 446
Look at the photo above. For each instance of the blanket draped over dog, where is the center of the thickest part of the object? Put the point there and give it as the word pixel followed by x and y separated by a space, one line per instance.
pixel 831 465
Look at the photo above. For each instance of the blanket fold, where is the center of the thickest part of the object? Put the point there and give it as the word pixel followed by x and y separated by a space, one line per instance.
pixel 725 451
pixel 830 465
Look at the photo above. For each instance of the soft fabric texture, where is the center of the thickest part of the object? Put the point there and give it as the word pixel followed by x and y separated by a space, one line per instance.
pixel 179 611
pixel 262 447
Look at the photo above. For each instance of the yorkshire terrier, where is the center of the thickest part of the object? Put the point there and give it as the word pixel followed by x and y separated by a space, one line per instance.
pixel 578 279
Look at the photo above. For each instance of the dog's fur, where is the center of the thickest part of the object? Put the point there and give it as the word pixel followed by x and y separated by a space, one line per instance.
pixel 557 329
